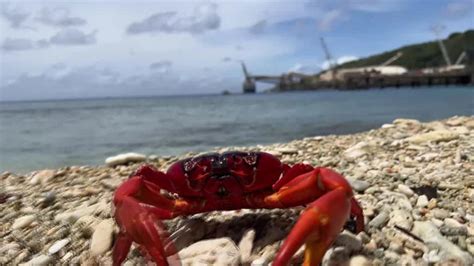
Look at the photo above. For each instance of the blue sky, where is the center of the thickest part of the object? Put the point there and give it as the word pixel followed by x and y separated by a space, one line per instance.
pixel 77 49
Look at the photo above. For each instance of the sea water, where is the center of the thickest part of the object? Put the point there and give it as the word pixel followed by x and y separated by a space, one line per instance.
pixel 52 134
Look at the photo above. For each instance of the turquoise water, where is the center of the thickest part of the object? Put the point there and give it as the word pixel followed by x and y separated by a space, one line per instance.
pixel 37 135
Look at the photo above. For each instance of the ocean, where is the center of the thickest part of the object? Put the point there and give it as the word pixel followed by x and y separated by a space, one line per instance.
pixel 53 134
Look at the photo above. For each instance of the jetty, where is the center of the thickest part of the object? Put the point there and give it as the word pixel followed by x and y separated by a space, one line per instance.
pixel 374 80
pixel 366 79
pixel 410 79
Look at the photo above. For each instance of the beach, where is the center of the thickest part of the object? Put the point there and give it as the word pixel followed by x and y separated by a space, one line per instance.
pixel 414 180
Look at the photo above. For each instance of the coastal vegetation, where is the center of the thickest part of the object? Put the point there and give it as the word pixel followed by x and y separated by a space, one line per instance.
pixel 423 55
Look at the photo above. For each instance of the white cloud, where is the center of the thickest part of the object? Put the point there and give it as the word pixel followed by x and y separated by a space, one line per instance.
pixel 346 58
pixel 19 44
pixel 305 68
pixel 14 15
pixel 60 81
pixel 73 37
pixel 204 18
pixel 459 9
pixel 57 71
pixel 258 27
pixel 59 17
pixel 375 6
pixel 161 66
pixel 339 60
pixel 43 43
pixel 107 76
pixel 372 6
pixel 327 21
pixel 64 37
pixel 329 13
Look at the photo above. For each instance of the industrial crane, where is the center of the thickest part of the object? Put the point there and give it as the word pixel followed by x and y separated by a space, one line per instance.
pixel 437 31
pixel 249 83
pixel 332 64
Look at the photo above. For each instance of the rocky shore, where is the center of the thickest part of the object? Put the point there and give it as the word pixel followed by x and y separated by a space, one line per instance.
pixel 415 182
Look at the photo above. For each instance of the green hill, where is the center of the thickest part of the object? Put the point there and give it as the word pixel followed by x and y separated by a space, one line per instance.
pixel 426 54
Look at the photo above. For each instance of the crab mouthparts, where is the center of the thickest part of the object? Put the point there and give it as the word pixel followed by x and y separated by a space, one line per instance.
pixel 220 176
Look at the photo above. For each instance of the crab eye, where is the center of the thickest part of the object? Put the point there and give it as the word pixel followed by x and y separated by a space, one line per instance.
pixel 250 159
pixel 219 163
pixel 237 159
pixel 189 165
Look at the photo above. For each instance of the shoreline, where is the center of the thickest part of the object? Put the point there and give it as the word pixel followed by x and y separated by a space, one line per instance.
pixel 70 207
pixel 233 93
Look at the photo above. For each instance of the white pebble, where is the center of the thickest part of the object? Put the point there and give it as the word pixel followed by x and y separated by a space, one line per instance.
pixel 102 238
pixel 405 190
pixel 67 256
pixel 125 158
pixel 450 222
pixel 359 261
pixel 23 221
pixel 42 177
pixel 38 261
pixel 259 262
pixel 387 126
pixel 9 246
pixel 246 245
pixel 58 245
pixel 422 201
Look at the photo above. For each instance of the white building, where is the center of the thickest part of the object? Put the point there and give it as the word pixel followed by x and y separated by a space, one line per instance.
pixel 383 70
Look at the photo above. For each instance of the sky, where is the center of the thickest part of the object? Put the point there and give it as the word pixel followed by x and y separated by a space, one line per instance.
pixel 118 48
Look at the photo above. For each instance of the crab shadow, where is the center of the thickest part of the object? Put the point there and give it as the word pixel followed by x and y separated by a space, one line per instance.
pixel 270 227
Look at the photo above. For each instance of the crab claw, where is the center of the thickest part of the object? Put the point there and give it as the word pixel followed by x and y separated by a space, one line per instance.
pixel 331 204
pixel 140 223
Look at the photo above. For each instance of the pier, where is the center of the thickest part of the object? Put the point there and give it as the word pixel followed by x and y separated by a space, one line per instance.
pixel 358 81
pixel 410 79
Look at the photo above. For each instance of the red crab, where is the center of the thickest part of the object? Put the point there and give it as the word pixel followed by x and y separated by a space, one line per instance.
pixel 230 181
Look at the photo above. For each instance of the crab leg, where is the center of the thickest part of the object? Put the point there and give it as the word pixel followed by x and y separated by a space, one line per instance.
pixel 139 207
pixel 331 200
pixel 290 173
pixel 121 248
